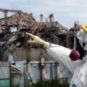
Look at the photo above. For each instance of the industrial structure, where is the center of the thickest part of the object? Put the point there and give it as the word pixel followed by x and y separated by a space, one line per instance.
pixel 51 31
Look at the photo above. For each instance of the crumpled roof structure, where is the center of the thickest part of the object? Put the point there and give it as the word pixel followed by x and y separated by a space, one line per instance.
pixel 19 19
pixel 26 20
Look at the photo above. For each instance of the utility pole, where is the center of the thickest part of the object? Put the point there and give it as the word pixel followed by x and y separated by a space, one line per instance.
pixel 76 28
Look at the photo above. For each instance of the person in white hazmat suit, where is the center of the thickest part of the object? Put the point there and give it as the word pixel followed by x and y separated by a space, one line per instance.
pixel 69 58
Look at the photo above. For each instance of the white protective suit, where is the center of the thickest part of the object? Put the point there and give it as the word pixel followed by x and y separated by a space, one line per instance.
pixel 63 55
pixel 77 68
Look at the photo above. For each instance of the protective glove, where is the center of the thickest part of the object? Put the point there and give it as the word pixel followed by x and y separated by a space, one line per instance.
pixel 36 40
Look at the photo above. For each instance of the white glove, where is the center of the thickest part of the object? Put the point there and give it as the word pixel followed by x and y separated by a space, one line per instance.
pixel 37 40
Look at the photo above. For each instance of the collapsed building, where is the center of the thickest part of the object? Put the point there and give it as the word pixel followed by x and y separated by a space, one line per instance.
pixel 51 31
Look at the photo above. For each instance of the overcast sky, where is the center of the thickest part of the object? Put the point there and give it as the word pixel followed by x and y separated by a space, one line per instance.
pixel 65 11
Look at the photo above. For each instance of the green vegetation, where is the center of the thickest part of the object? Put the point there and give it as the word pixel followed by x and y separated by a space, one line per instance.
pixel 53 83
